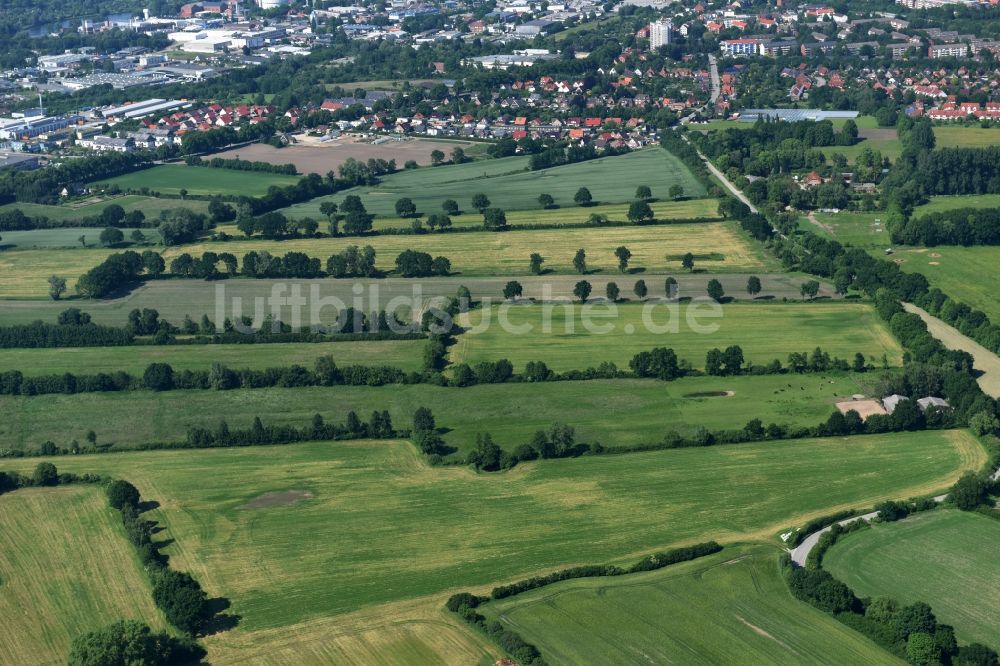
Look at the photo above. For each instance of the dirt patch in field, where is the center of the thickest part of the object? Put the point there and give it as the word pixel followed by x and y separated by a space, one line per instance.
pixel 710 394
pixel 877 134
pixel 934 263
pixel 934 255
pixel 864 408
pixel 311 156
pixel 280 498
pixel 899 261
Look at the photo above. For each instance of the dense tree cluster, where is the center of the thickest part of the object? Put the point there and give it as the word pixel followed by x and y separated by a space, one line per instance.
pixel 960 226
pixel 44 186
pixel 129 642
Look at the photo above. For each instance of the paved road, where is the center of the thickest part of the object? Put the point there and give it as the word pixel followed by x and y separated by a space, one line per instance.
pixel 716 88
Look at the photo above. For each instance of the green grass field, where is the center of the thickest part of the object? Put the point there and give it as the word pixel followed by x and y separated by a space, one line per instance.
pixel 964 273
pixel 566 338
pixel 865 230
pixel 69 237
pixel 405 354
pixel 661 617
pixel 93 207
pixel 718 246
pixel 643 410
pixel 965 137
pixel 65 568
pixel 946 558
pixel 172 178
pixel 941 204
pixel 377 526
pixel 24 273
pixel 509 186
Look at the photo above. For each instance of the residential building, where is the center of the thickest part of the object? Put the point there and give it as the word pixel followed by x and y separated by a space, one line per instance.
pixel 659 33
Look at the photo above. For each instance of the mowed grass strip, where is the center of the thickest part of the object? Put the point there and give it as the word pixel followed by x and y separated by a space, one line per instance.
pixel 567 337
pixel 405 354
pixel 381 526
pixel 717 246
pixel 172 178
pixel 621 412
pixel 661 617
pixel 66 568
pixel 946 558
pixel 510 186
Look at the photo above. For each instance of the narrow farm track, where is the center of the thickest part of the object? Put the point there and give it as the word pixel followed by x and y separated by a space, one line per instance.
pixel 984 360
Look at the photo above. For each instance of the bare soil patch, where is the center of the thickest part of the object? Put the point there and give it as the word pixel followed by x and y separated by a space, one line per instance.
pixel 311 156
pixel 864 408
pixel 279 498
pixel 887 134
pixel 710 394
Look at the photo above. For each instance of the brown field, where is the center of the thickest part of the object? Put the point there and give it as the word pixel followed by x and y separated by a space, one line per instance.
pixel 311 156
pixel 864 408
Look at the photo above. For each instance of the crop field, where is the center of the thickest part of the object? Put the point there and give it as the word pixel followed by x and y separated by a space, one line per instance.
pixel 65 568
pixel 150 207
pixel 510 186
pixel 644 410
pixel 374 525
pixel 946 558
pixel 172 178
pixel 405 354
pixel 661 617
pixel 570 338
pixel 717 246
pixel 967 274
pixel 175 298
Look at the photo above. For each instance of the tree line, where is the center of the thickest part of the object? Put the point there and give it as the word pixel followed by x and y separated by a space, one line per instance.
pixel 961 226
pixel 74 328
pixel 242 165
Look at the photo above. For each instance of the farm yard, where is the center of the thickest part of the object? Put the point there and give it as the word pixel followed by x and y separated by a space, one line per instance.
pixel 67 568
pixel 645 410
pixel 661 616
pixel 764 331
pixel 404 354
pixel 172 178
pixel 510 186
pixel 378 513
pixel 945 558
pixel 312 156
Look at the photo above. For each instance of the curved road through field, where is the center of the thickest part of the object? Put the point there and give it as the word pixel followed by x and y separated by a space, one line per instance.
pixel 984 360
